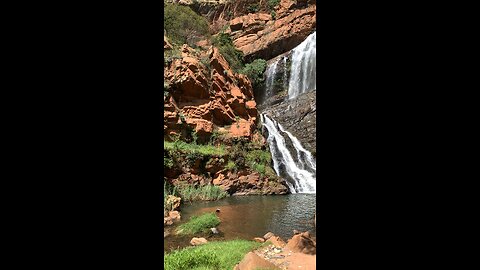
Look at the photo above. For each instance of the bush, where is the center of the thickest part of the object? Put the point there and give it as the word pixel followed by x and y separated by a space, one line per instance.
pixel 211 256
pixel 230 165
pixel 255 71
pixel 198 224
pixel 183 25
pixel 233 56
pixel 273 3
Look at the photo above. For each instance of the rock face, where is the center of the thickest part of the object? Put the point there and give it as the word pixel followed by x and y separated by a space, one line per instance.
pixel 204 94
pixel 242 183
pixel 298 116
pixel 258 35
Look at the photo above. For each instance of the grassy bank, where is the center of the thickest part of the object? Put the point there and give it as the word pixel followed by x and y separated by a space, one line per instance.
pixel 211 256
pixel 203 193
pixel 206 150
pixel 198 224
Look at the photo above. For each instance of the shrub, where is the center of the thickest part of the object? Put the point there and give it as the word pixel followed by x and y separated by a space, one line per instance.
pixel 255 71
pixel 198 224
pixel 273 3
pixel 233 56
pixel 230 165
pixel 183 25
pixel 252 8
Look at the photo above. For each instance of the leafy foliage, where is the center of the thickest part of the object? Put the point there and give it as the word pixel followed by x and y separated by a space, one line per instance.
pixel 255 71
pixel 273 3
pixel 225 45
pixel 183 25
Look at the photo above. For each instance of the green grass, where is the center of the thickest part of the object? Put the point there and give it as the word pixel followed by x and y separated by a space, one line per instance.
pixel 203 193
pixel 198 224
pixel 211 256
pixel 206 150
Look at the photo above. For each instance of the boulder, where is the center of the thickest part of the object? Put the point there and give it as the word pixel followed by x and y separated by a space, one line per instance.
pixel 277 241
pixel 302 243
pixel 198 241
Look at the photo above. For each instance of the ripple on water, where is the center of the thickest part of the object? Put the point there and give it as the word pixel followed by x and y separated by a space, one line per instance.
pixel 246 217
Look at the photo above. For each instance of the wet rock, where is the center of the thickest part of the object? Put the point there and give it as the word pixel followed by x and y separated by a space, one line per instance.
pixel 298 116
pixel 302 243
pixel 259 239
pixel 198 241
pixel 268 235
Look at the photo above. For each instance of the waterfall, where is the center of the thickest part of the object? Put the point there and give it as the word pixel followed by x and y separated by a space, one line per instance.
pixel 303 69
pixel 285 74
pixel 270 77
pixel 300 172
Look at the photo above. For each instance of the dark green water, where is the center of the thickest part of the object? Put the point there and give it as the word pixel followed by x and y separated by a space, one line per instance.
pixel 246 217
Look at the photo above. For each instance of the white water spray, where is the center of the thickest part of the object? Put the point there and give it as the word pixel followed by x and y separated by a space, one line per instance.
pixel 301 173
pixel 303 70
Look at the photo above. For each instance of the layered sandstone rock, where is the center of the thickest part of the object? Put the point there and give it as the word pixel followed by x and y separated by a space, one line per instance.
pixel 258 35
pixel 204 94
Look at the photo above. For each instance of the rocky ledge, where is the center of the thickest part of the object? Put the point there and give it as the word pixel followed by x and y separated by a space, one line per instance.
pixel 298 116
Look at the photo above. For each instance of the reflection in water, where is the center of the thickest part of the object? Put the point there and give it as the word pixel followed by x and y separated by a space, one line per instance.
pixel 247 217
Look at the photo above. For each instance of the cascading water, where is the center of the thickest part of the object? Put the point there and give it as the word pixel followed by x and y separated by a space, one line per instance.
pixel 270 77
pixel 303 70
pixel 301 172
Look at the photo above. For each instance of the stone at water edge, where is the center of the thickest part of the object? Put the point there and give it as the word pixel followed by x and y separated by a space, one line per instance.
pixel 302 243
pixel 268 235
pixel 259 239
pixel 198 241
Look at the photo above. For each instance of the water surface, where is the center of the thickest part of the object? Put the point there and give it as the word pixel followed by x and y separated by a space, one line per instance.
pixel 246 217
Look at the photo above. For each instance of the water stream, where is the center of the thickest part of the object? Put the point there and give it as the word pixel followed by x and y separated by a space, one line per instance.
pixel 304 67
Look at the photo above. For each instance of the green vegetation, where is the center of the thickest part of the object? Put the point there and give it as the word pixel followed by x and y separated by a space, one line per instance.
pixel 211 256
pixel 273 3
pixel 198 224
pixel 273 14
pixel 255 71
pixel 230 165
pixel 225 45
pixel 204 193
pixel 183 25
pixel 252 8
pixel 170 55
pixel 205 150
